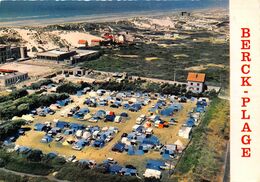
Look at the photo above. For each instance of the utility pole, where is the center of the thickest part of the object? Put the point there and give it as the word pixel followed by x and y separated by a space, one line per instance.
pixel 174 76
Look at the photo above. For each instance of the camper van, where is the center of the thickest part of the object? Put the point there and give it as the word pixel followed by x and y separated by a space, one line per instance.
pixel 140 119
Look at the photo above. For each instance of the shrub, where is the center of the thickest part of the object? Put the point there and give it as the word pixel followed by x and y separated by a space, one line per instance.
pixel 69 88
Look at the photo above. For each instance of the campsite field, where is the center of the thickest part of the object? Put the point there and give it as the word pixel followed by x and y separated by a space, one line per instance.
pixel 169 135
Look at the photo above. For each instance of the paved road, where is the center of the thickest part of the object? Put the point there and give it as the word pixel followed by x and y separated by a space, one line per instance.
pixel 49 177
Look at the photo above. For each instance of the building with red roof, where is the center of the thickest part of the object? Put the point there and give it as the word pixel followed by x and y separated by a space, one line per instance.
pixel 196 82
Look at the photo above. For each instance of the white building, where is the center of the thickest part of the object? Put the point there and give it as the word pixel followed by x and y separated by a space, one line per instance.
pixel 196 82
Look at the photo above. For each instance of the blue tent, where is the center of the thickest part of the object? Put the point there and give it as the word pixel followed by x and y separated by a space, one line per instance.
pixel 55 130
pixel 69 132
pixel 167 112
pixel 79 93
pixel 131 150
pixel 110 117
pixel 87 101
pixel 118 147
pixel 63 102
pixel 46 110
pixel 192 98
pixel 126 106
pixel 137 106
pixel 84 110
pixel 133 109
pixel 81 143
pixel 124 114
pixel 139 152
pixel 140 129
pixel 99 143
pixel 39 127
pixel 128 171
pixel 24 150
pixel 114 169
pixel 46 139
pixel 131 136
pixel 103 103
pixel 100 114
pixel 93 129
pixel 166 156
pixel 7 142
pixel 201 103
pixel 78 115
pixel 153 109
pixel 200 109
pixel 190 122
pixel 176 106
pixel 62 124
pixel 76 126
pixel 152 140
pixel 155 164
pixel 140 138
pixel 144 147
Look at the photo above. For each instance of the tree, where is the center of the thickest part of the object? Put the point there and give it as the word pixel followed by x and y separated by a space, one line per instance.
pixel 35 156
pixel 69 88
pixel 23 108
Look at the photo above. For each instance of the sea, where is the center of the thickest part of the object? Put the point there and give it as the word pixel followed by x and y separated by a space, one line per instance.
pixel 50 9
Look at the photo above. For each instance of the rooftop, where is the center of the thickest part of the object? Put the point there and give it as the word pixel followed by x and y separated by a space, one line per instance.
pixel 7 71
pixel 11 75
pixel 54 53
pixel 82 42
pixel 196 77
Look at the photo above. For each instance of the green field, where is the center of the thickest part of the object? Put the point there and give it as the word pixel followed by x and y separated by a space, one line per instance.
pixel 179 55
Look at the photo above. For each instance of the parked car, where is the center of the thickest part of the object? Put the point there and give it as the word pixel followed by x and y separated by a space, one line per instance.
pixel 109 138
pixel 75 147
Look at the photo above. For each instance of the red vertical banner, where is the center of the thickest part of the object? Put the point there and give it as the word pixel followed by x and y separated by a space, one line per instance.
pixel 245 90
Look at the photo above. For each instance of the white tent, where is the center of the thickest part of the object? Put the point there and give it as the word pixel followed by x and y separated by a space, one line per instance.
pixel 86 135
pixel 88 116
pixel 79 133
pixel 150 173
pixel 180 145
pixel 185 132
pixel 54 107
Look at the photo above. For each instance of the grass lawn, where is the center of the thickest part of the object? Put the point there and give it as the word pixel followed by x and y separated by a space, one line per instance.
pixel 194 50
pixel 204 157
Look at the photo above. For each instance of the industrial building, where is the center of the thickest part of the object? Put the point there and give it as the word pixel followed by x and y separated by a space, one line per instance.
pixel 10 77
pixel 11 53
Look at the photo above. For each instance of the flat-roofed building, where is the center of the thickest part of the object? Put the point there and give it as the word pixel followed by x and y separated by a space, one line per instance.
pixel 69 57
pixel 83 55
pixel 11 77
pixel 55 55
